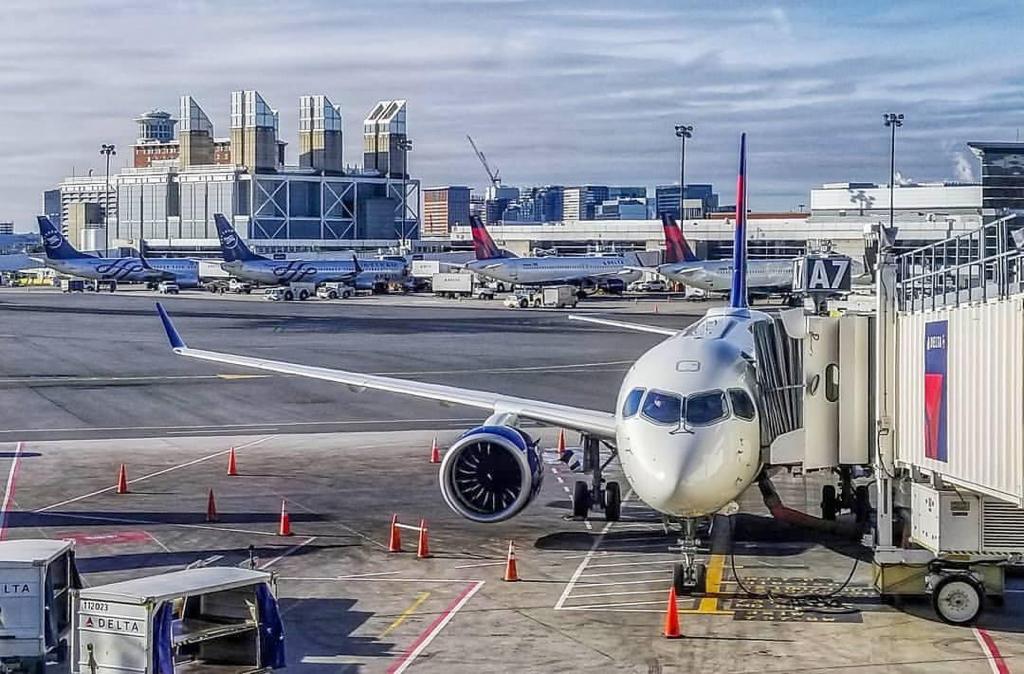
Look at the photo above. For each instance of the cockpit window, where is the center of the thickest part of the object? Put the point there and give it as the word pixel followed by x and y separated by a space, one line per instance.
pixel 742 405
pixel 632 403
pixel 704 409
pixel 662 408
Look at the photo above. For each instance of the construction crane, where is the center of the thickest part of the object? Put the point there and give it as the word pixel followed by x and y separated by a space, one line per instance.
pixel 493 175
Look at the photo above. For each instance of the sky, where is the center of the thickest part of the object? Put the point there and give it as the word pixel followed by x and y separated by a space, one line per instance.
pixel 553 92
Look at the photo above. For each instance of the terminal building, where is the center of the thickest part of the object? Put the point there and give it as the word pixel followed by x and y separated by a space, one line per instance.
pixel 182 173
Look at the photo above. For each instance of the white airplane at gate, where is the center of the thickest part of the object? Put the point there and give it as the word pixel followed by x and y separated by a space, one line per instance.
pixel 685 425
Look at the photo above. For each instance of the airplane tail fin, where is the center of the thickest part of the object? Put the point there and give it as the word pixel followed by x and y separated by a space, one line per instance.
pixel 483 244
pixel 738 293
pixel 356 267
pixel 56 244
pixel 676 247
pixel 231 245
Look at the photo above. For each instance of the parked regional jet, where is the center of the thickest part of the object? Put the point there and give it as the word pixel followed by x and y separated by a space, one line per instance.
pixel 590 272
pixel 682 266
pixel 63 257
pixel 247 265
pixel 685 426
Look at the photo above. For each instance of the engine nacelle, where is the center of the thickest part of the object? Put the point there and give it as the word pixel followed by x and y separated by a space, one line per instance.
pixel 491 473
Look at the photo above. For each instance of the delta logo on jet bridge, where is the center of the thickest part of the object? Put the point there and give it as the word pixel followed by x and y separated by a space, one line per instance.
pixel 936 357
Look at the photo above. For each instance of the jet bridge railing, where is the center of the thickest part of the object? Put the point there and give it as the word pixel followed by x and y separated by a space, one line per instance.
pixel 979 265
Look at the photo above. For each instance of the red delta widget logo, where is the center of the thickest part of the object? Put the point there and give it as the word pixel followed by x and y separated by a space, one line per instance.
pixel 936 358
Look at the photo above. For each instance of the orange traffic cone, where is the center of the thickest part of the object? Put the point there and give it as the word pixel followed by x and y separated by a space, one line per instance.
pixel 211 508
pixel 394 538
pixel 232 463
pixel 285 527
pixel 435 453
pixel 422 549
pixel 511 572
pixel 672 630
pixel 561 442
pixel 122 480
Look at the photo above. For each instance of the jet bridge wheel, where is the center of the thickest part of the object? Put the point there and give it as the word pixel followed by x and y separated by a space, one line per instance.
pixel 958 599
pixel 829 502
pixel 580 499
pixel 612 502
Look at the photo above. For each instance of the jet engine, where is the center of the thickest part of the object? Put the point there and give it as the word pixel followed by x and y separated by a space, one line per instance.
pixel 491 473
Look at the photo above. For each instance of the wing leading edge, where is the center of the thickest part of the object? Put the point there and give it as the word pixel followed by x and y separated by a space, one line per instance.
pixel 601 424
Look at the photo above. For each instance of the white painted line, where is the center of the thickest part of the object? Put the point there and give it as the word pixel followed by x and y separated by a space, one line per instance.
pixel 287 552
pixel 347 422
pixel 621 573
pixel 475 566
pixel 588 525
pixel 988 646
pixel 12 479
pixel 361 579
pixel 620 583
pixel 434 629
pixel 151 475
pixel 660 561
pixel 630 593
pixel 330 660
pixel 583 564
pixel 128 520
pixel 631 603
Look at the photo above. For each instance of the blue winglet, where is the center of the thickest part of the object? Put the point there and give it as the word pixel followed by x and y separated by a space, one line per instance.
pixel 172 335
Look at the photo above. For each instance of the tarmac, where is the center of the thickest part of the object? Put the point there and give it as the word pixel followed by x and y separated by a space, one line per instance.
pixel 592 594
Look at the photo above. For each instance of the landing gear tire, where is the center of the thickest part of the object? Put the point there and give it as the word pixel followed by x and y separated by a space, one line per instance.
pixel 958 599
pixel 612 502
pixel 580 500
pixel 829 502
pixel 862 503
pixel 687 584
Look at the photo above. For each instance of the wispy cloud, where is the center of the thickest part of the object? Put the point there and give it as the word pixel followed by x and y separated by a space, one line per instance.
pixel 553 91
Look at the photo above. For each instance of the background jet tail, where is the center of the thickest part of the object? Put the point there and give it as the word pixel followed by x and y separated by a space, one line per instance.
pixel 231 245
pixel 483 244
pixel 676 247
pixel 738 293
pixel 56 244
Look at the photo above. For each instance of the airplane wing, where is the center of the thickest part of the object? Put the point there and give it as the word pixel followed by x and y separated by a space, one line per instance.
pixel 601 424
pixel 638 327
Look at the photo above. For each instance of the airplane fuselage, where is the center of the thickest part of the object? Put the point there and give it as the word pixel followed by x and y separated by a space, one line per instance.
pixel 130 269
pixel 556 270
pixel 716 275
pixel 280 272
pixel 687 429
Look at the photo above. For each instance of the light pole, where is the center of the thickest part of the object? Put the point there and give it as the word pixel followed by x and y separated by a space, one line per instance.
pixel 107 149
pixel 683 131
pixel 892 120
pixel 404 144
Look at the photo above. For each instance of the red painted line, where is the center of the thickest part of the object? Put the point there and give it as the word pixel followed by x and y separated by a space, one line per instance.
pixel 108 539
pixel 988 645
pixel 427 635
pixel 12 479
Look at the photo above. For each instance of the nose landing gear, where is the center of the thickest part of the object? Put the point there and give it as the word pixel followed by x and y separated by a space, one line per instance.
pixel 689 577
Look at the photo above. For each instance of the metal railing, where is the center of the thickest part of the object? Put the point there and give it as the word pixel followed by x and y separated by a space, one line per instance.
pixel 976 266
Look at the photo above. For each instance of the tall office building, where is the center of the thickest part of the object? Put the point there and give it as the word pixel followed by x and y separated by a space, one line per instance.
pixel 443 208
pixel 1002 175
pixel 580 203
pixel 384 132
pixel 254 143
pixel 667 200
pixel 6 228
pixel 52 207
pixel 196 136
pixel 320 134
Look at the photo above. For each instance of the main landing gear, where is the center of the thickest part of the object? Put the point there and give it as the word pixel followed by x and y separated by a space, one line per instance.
pixel 688 575
pixel 598 494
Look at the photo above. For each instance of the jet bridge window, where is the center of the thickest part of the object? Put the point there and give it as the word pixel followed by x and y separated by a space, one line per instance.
pixel 742 405
pixel 632 403
pixel 704 409
pixel 662 408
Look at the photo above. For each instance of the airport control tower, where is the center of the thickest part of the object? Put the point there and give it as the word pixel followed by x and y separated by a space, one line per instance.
pixel 384 133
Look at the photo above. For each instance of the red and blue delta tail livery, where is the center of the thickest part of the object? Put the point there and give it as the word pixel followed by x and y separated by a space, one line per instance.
pixel 483 244
pixel 676 247
pixel 738 294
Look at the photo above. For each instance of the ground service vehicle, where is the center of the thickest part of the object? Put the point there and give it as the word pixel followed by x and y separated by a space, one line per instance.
pixel 452 285
pixel 332 291
pixel 72 285
pixel 556 297
pixel 168 288
pixel 292 291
